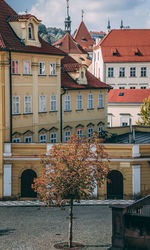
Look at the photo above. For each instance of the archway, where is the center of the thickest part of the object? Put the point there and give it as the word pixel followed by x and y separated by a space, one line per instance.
pixel 27 178
pixel 115 185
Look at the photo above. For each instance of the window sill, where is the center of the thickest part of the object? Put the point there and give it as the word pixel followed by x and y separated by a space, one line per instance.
pixel 27 74
pixel 100 108
pixel 53 75
pixel 79 109
pixel 53 111
pixel 13 74
pixel 16 114
pixel 132 76
pixel 44 112
pixel 27 113
pixel 67 110
pixel 143 77
pixel 91 109
pixel 42 75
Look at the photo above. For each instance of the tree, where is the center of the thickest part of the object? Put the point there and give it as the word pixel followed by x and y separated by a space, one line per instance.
pixel 71 172
pixel 145 113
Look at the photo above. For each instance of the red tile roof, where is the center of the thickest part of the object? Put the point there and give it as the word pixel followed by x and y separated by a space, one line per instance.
pixel 128 95
pixel 69 45
pixel 127 42
pixel 9 40
pixel 69 65
pixel 17 17
pixel 83 37
pixel 97 32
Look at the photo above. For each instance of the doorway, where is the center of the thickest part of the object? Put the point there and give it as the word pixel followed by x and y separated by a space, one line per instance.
pixel 115 185
pixel 27 178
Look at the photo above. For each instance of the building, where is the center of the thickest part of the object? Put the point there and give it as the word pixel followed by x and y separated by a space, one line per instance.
pixel 122 59
pixel 97 35
pixel 45 95
pixel 124 106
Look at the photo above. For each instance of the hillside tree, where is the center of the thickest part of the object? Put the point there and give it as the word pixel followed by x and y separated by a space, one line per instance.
pixel 145 113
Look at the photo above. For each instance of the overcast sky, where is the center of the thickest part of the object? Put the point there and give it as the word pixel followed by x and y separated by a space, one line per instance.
pixel 134 13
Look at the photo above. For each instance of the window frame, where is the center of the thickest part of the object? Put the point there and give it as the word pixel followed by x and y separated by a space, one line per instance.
pixel 100 100
pixel 53 103
pixel 53 71
pixel 28 69
pixel 28 137
pixel 132 71
pixel 41 110
pixel 18 138
pixel 67 102
pixel 110 72
pixel 43 140
pixel 54 139
pixel 14 103
pixel 90 101
pixel 41 71
pixel 14 69
pixel 90 132
pixel 27 105
pixel 143 71
pixel 122 72
pixel 67 135
pixel 79 102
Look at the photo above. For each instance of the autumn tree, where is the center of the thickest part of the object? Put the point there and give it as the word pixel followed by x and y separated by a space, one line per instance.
pixel 145 113
pixel 71 172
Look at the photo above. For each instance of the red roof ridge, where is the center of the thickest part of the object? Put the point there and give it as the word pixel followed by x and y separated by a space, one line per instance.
pixel 16 17
pixel 101 41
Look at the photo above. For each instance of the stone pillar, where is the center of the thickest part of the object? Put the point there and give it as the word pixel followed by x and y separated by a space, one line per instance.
pixel 136 179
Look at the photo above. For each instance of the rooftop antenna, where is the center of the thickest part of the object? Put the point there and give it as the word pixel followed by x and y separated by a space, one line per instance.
pixel 68 20
pixel 82 15
pixel 108 26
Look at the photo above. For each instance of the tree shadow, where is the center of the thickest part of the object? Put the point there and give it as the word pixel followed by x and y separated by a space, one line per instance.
pixel 7 231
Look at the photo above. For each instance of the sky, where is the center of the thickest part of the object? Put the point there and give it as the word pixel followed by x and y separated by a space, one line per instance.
pixel 134 13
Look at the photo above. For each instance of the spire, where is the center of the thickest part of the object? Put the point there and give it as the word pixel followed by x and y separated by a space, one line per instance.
pixel 82 15
pixel 121 26
pixel 108 26
pixel 68 20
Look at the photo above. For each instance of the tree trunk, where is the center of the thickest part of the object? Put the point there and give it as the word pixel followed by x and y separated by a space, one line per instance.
pixel 70 222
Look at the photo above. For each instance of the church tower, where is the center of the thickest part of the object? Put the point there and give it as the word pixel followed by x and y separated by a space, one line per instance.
pixel 68 20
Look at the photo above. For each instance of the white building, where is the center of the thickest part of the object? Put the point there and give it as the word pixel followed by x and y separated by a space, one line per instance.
pixel 124 106
pixel 122 59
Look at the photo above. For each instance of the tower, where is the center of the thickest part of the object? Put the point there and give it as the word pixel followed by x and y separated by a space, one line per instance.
pixel 68 20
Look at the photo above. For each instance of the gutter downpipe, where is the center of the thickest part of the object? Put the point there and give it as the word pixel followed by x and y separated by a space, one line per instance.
pixel 61 114
pixel 10 88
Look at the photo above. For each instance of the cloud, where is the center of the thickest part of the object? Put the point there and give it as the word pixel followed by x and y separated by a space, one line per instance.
pixel 52 13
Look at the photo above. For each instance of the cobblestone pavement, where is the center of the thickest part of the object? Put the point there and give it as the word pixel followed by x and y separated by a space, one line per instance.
pixel 29 203
pixel 39 228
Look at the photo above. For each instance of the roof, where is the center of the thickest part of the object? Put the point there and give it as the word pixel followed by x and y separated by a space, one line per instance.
pixel 128 95
pixel 10 41
pixel 69 45
pixel 139 138
pixel 70 65
pixel 133 45
pixel 83 37
pixel 17 17
pixel 97 32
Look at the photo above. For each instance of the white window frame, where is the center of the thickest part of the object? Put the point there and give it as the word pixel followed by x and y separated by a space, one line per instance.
pixel 67 103
pixel 15 105
pixel 143 71
pixel 15 67
pixel 100 100
pixel 27 104
pixel 67 135
pixel 16 140
pixel 28 139
pixel 30 32
pixel 42 103
pixel 100 130
pixel 53 137
pixel 42 68
pixel 79 102
pixel 90 132
pixel 132 71
pixel 90 101
pixel 110 72
pixel 43 138
pixel 52 69
pixel 122 72
pixel 53 103
pixel 27 67
pixel 80 132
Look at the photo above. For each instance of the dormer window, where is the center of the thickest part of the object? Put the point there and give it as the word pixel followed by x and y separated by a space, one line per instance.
pixel 82 74
pixel 30 31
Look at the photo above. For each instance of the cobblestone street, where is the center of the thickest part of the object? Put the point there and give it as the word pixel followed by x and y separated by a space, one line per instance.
pixel 36 228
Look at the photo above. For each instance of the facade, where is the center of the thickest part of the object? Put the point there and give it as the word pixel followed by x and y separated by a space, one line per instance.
pixel 124 106
pixel 122 59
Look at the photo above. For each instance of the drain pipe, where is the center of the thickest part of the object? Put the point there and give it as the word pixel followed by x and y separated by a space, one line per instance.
pixel 10 89
pixel 61 114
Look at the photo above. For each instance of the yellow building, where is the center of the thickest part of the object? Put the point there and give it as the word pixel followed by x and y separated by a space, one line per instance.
pixel 45 94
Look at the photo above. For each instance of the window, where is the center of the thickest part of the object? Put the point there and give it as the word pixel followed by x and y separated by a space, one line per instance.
pixel 67 135
pixel 132 87
pixel 30 31
pixel 15 67
pixel 100 101
pixel 27 67
pixel 53 137
pixel 90 101
pixel 42 68
pixel 16 140
pixel 143 87
pixel 79 102
pixel 42 103
pixel 43 138
pixel 28 139
pixel 121 72
pixel 100 130
pixel 67 103
pixel 16 104
pixel 82 74
pixel 90 132
pixel 124 124
pixel 80 132
pixel 52 69
pixel 110 72
pixel 132 72
pixel 124 120
pixel 143 71
pixel 28 104
pixel 53 103
pixel 121 87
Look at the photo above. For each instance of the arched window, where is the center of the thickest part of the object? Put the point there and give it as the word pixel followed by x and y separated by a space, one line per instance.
pixel 82 74
pixel 30 31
